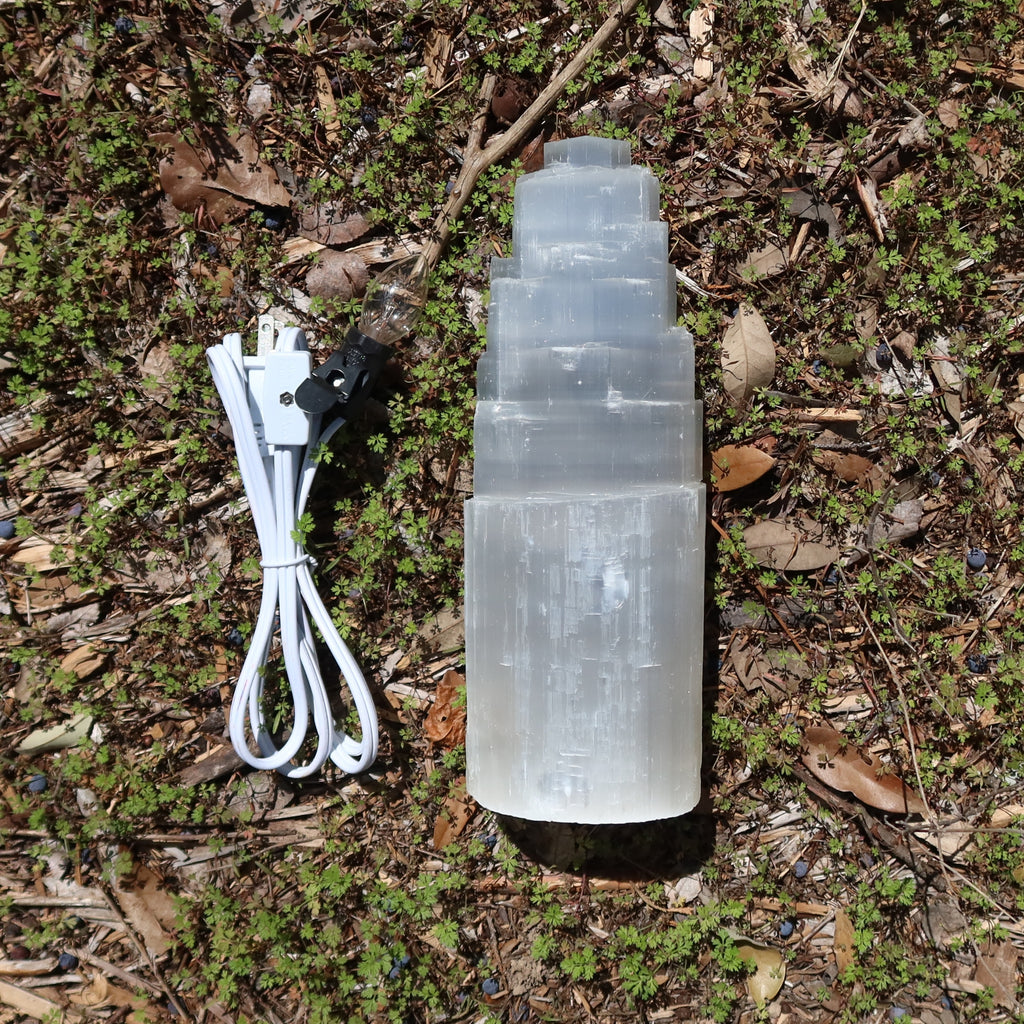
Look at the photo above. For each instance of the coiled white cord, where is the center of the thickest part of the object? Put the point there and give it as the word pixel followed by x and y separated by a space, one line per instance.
pixel 277 479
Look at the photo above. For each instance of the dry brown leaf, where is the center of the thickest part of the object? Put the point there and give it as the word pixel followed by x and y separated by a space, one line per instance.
pixel 843 942
pixel 769 970
pixel 769 260
pixel 903 521
pixel 797 547
pixel 1016 411
pixel 337 275
pixel 949 113
pixel 224 180
pixel 838 96
pixel 328 224
pixel 1003 816
pixel 149 907
pixel 865 319
pixel 221 277
pixel 851 468
pixel 804 205
pixel 850 770
pixel 455 815
pixel 777 671
pixel 736 466
pixel 904 343
pixel 748 354
pixel 446 721
pixel 945 366
pixel 997 969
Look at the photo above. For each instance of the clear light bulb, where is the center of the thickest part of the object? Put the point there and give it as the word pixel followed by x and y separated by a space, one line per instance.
pixel 395 299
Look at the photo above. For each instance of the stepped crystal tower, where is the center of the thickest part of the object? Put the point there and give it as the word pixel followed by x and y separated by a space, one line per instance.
pixel 585 534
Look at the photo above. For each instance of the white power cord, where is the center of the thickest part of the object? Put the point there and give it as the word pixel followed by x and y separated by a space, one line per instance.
pixel 275 442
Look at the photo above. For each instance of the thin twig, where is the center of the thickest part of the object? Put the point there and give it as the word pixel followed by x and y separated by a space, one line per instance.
pixel 140 946
pixel 478 156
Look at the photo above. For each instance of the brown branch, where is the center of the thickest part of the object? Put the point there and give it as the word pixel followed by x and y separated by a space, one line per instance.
pixel 477 156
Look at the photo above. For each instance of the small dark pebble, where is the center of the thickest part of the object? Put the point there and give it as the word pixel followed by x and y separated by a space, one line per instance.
pixel 67 962
pixel 396 966
pixel 977 663
pixel 37 784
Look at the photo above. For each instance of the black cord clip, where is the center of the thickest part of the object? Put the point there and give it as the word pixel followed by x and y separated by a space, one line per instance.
pixel 346 379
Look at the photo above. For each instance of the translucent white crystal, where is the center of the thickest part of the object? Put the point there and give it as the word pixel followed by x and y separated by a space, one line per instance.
pixel 585 535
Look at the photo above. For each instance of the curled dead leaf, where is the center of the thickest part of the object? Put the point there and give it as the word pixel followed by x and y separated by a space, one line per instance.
pixel 769 970
pixel 748 354
pixel 851 770
pixel 327 224
pixel 735 466
pixel 778 671
pixel 996 969
pixel 805 205
pixel 454 816
pixel 797 547
pixel 769 260
pixel 446 721
pixel 224 179
pixel 337 275
pixel 843 941
pixel 852 469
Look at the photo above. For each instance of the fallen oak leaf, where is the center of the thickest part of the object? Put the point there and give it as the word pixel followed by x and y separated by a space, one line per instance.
pixel 850 770
pixel 736 465
pixel 225 182
pixel 778 671
pixel 843 942
pixel 804 205
pixel 454 816
pixel 795 547
pixel 446 721
pixel 997 970
pixel 769 260
pixel 769 970
pixel 748 354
